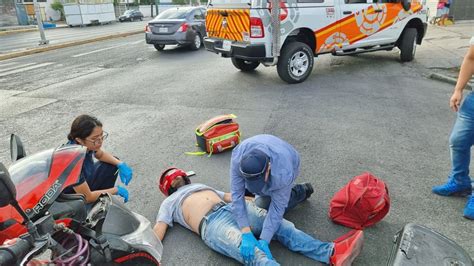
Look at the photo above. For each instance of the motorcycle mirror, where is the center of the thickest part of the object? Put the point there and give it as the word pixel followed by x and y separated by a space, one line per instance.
pixel 406 4
pixel 8 194
pixel 7 188
pixel 17 151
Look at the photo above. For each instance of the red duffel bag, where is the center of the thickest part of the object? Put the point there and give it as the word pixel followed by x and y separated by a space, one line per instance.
pixel 361 203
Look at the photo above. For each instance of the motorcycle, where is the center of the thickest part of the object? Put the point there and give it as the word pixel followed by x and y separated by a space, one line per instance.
pixel 36 216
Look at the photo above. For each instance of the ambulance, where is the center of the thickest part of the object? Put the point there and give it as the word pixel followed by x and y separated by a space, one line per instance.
pixel 288 34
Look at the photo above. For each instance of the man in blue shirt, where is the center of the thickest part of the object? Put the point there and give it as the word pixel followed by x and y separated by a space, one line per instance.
pixel 267 167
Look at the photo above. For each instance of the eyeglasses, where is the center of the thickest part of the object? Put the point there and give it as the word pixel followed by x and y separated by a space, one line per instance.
pixel 99 139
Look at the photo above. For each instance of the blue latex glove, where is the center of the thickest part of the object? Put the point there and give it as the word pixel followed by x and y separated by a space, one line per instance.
pixel 122 192
pixel 263 245
pixel 125 173
pixel 247 247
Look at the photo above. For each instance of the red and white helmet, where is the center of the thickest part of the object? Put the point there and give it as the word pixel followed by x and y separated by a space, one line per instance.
pixel 167 177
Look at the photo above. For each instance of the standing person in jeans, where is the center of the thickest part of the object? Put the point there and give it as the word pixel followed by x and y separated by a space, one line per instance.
pixel 462 138
pixel 97 177
pixel 266 166
pixel 207 212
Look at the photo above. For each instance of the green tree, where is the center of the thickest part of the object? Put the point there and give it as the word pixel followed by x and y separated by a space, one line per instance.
pixel 56 5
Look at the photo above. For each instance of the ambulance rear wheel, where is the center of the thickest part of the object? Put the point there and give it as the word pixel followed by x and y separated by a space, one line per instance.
pixel 295 63
pixel 244 65
pixel 408 45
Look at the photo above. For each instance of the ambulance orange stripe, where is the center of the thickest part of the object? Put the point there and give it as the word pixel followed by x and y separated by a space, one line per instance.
pixel 214 21
pixel 234 24
pixel 238 23
pixel 245 20
pixel 344 26
pixel 335 24
pixel 209 20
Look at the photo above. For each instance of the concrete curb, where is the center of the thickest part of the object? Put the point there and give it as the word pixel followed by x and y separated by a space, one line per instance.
pixel 66 44
pixel 446 79
pixel 17 31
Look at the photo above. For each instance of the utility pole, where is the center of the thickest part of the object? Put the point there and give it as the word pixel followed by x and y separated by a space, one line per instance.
pixel 43 40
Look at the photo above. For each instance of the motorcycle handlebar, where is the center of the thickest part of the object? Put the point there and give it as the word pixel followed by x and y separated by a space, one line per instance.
pixel 13 254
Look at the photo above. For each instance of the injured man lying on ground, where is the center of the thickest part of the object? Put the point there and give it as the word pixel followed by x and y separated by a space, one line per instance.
pixel 207 212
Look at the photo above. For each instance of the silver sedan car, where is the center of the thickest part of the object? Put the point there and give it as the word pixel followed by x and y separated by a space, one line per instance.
pixel 181 25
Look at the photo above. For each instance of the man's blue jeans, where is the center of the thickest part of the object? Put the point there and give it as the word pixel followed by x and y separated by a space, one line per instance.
pixel 298 195
pixel 221 233
pixel 461 140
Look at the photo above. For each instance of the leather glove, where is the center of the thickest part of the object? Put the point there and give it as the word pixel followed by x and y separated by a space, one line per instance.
pixel 247 247
pixel 263 245
pixel 122 192
pixel 125 173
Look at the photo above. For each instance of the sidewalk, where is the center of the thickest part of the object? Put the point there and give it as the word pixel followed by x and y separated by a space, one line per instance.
pixel 443 50
pixel 24 41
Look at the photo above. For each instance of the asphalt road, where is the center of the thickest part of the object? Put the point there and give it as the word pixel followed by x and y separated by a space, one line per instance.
pixel 354 114
pixel 29 40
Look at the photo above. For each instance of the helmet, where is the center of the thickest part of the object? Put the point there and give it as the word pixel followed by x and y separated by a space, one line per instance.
pixel 167 177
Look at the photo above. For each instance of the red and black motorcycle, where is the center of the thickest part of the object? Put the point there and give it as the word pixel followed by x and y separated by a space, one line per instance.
pixel 38 216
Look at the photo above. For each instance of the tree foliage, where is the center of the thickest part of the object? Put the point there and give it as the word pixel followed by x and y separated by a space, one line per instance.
pixel 56 5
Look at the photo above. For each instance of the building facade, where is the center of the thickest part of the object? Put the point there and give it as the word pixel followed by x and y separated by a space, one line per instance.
pixel 462 10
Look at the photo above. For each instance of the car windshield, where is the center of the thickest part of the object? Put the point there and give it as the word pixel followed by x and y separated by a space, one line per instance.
pixel 173 14
pixel 30 172
pixel 128 12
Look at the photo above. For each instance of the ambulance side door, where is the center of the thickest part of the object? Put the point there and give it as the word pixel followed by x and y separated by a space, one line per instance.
pixel 354 26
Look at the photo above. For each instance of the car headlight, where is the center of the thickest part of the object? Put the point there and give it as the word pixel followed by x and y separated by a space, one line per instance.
pixel 144 238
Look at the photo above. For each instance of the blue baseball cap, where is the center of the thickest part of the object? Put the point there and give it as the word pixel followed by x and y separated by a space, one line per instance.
pixel 253 166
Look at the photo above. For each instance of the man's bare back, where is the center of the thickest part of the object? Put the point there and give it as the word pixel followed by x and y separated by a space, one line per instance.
pixel 198 204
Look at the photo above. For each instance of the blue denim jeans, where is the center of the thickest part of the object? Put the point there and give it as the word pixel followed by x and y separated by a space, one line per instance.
pixel 461 140
pixel 298 195
pixel 221 233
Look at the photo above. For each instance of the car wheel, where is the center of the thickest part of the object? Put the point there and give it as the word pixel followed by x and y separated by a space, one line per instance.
pixel 196 44
pixel 295 63
pixel 244 65
pixel 408 45
pixel 159 47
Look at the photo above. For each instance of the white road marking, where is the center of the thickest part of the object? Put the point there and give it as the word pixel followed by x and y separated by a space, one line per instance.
pixel 100 50
pixel 137 42
pixel 8 64
pixel 25 69
pixel 14 67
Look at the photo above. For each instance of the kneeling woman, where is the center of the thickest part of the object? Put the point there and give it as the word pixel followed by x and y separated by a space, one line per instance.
pixel 97 177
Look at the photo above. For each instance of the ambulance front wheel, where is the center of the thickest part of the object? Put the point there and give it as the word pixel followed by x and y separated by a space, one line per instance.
pixel 408 45
pixel 244 65
pixel 295 63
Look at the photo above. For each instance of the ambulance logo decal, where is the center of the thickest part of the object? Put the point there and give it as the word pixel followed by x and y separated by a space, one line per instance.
pixel 368 21
pixel 224 23
pixel 334 42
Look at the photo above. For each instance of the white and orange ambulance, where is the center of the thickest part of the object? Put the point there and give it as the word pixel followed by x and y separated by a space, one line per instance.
pixel 289 33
